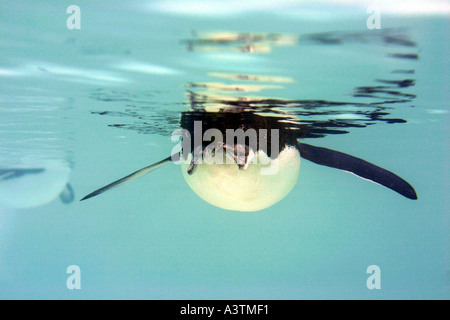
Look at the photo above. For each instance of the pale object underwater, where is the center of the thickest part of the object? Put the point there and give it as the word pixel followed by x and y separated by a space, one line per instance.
pixel 35 186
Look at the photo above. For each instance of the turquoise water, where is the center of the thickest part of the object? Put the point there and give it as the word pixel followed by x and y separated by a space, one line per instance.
pixel 91 105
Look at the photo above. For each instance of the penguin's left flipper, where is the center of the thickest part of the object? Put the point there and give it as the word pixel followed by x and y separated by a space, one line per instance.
pixel 357 166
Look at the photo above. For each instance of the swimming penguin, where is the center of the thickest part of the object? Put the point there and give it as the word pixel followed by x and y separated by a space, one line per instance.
pixel 242 161
pixel 33 187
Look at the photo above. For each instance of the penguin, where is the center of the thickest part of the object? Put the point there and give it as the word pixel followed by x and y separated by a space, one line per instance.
pixel 33 187
pixel 252 171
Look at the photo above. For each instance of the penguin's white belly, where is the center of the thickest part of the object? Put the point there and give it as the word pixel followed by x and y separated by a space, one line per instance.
pixel 262 184
pixel 34 190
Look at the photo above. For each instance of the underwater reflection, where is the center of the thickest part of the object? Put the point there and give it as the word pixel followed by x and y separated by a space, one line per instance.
pixel 264 42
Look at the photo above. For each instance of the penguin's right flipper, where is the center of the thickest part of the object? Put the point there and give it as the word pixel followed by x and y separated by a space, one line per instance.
pixel 130 177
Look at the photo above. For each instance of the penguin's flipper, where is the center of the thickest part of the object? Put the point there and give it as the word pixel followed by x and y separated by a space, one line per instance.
pixel 130 177
pixel 6 174
pixel 359 167
pixel 67 195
